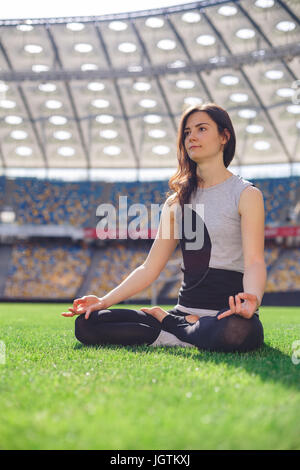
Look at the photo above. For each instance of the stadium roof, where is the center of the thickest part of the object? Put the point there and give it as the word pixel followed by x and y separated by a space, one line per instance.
pixel 108 91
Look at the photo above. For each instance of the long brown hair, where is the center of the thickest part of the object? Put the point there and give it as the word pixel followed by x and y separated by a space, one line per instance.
pixel 185 181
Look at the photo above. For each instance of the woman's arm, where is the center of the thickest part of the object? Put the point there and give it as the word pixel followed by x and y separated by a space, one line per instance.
pixel 255 277
pixel 253 236
pixel 251 210
pixel 161 250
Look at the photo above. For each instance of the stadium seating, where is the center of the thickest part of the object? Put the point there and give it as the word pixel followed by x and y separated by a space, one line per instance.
pixel 56 269
pixel 46 270
pixel 286 275
pixel 43 202
pixel 55 202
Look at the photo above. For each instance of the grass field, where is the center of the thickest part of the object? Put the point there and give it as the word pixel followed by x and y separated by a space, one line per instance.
pixel 57 394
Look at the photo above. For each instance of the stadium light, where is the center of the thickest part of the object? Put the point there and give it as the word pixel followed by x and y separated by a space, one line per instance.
pixel 7 215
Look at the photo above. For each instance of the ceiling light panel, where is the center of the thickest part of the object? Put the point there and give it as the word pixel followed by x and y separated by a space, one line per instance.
pixel 156 155
pixel 264 4
pixel 257 150
pixel 118 25
pixel 25 49
pixel 24 28
pixel 47 103
pixel 228 19
pixel 161 43
pixel 274 74
pixel 142 86
pixel 61 131
pixel 220 91
pixel 22 153
pixel 47 87
pixel 191 17
pixel 199 38
pixel 122 46
pixel 155 120
pixel 245 124
pixel 285 124
pixel 75 27
pixel 80 47
pixel 64 154
pixel 10 100
pixel 57 120
pixel 155 22
pixel 95 86
pixel 15 131
pixel 236 29
pixel 13 120
pixel 157 133
pixel 109 133
pixel 254 129
pixel 38 68
pixel 178 87
pixel 93 97
pixel 141 102
pixel 37 93
pixel 152 121
pixel 104 119
pixel 57 125
pixel 274 21
pixel 19 135
pixel 106 130
pixel 267 87
pixel 104 152
pixel 227 10
pixel 153 25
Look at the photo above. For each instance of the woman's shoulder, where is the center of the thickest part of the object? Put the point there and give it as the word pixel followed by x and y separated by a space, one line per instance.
pixel 241 188
pixel 172 200
pixel 241 181
pixel 238 185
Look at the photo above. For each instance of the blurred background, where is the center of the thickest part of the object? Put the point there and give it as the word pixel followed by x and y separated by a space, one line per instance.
pixel 89 110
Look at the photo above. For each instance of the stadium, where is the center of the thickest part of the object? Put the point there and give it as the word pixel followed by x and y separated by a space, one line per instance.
pixel 89 113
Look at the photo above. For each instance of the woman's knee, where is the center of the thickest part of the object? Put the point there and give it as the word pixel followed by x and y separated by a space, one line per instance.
pixel 96 331
pixel 242 334
pixel 82 328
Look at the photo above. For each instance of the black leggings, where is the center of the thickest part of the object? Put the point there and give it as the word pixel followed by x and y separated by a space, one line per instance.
pixel 128 327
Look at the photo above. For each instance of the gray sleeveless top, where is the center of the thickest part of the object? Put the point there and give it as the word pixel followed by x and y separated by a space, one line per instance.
pixel 222 252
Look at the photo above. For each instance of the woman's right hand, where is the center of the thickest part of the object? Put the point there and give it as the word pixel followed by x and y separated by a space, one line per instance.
pixel 86 305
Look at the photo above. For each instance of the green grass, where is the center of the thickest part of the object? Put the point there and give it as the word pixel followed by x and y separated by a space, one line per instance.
pixel 58 394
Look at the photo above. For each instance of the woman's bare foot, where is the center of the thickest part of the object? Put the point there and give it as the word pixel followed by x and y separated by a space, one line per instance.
pixel 191 318
pixel 156 312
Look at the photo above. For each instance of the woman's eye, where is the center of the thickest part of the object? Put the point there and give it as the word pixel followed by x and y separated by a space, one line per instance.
pixel 185 134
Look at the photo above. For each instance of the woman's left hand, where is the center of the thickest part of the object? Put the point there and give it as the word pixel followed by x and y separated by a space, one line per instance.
pixel 245 309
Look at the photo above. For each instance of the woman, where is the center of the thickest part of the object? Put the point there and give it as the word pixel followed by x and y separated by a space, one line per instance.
pixel 223 254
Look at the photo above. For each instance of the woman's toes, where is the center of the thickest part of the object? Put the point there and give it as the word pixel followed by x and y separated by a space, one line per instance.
pixel 192 318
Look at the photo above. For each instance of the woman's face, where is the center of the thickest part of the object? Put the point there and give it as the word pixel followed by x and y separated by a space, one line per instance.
pixel 202 140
